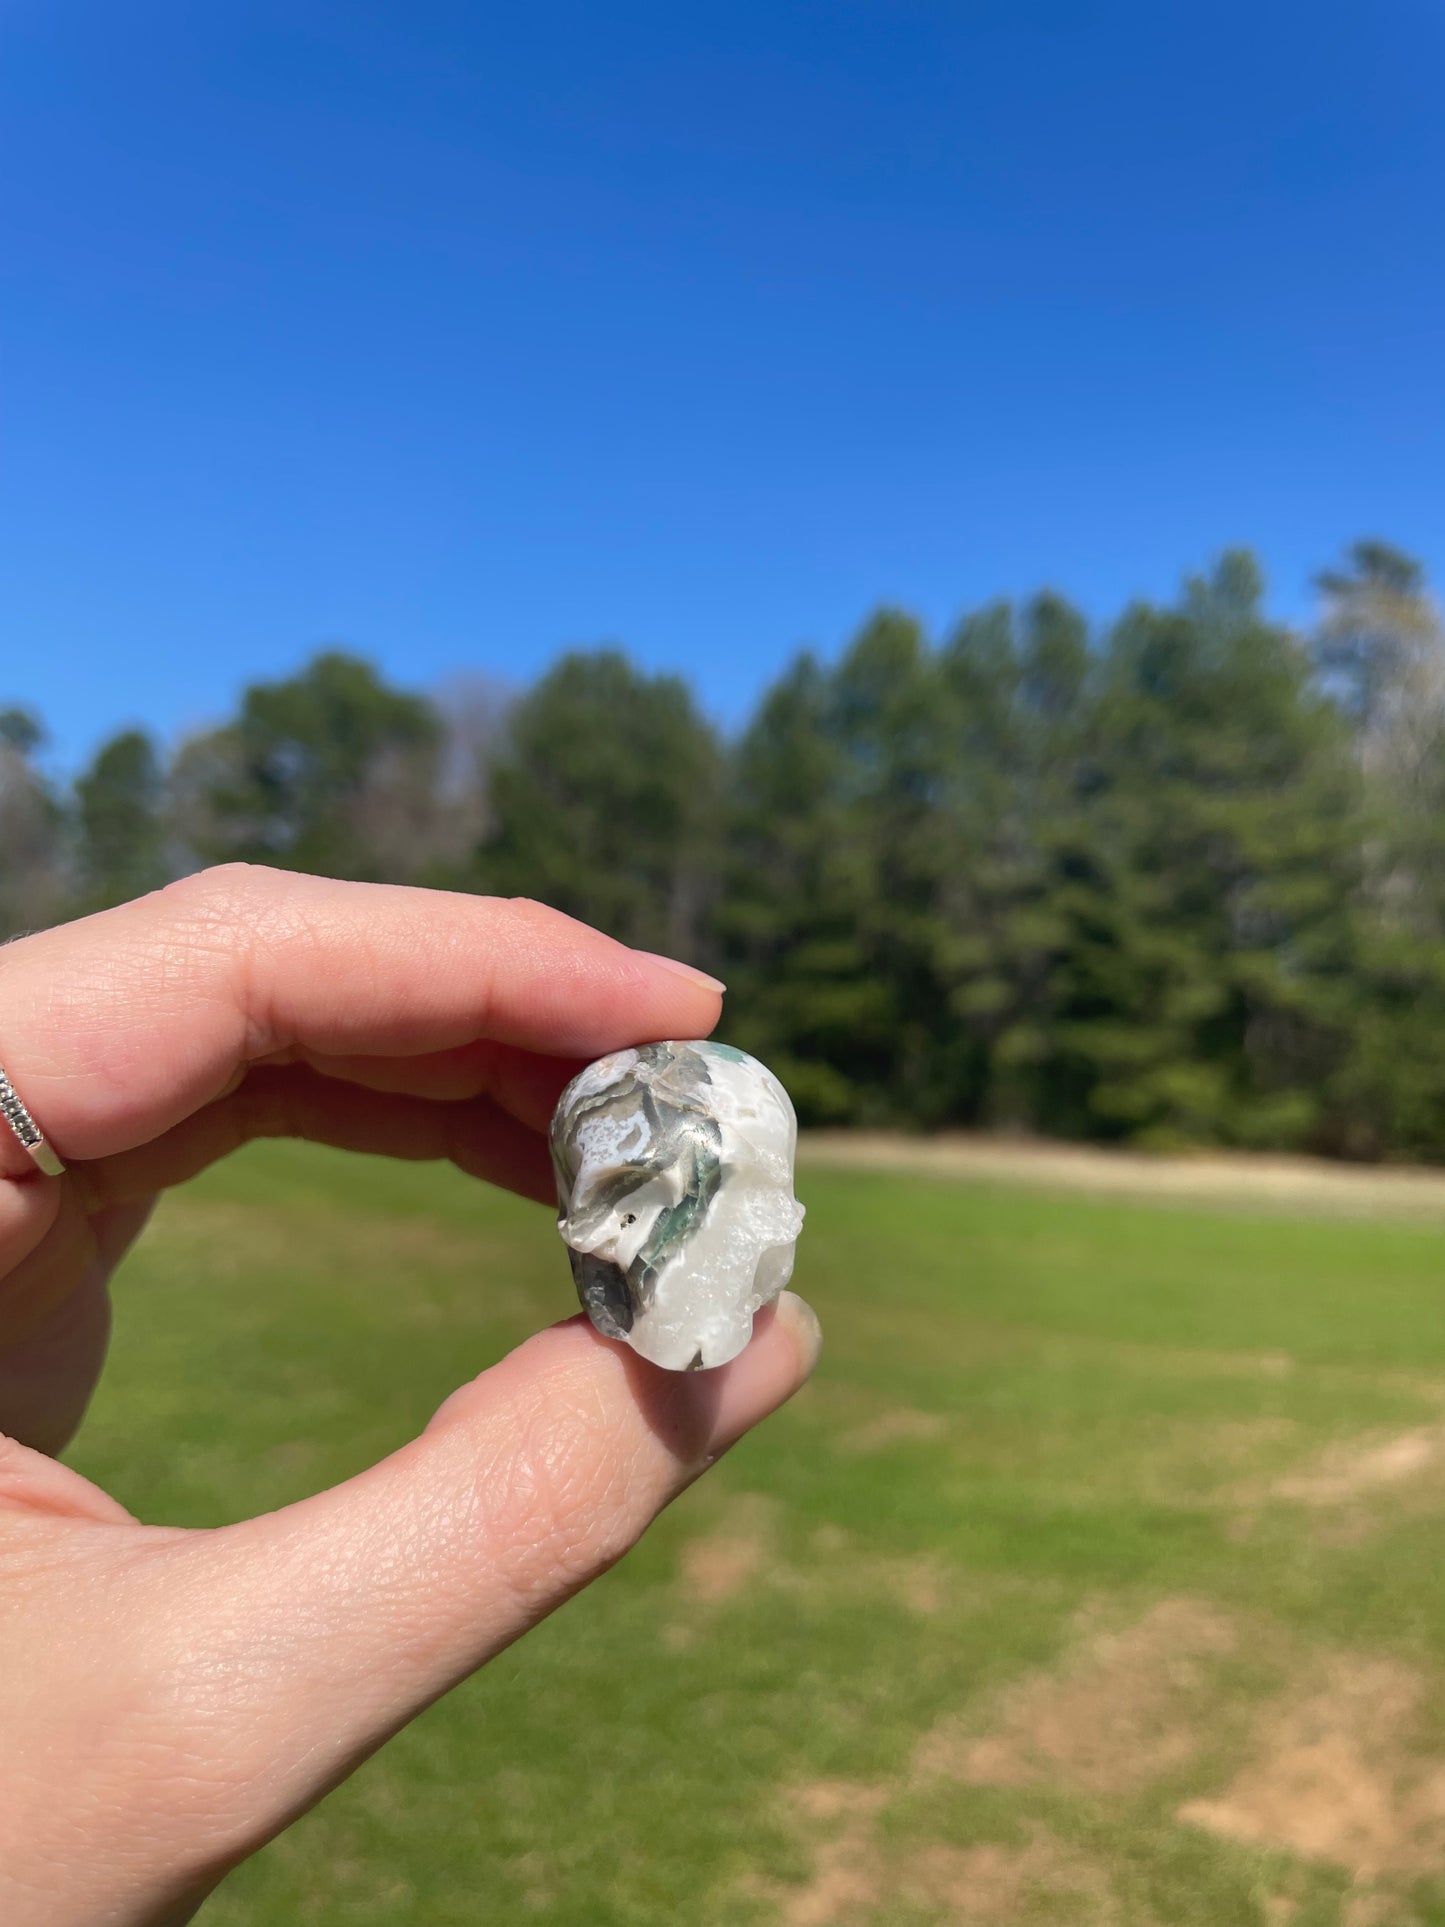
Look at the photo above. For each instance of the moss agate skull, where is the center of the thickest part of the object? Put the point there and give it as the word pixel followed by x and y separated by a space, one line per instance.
pixel 675 1181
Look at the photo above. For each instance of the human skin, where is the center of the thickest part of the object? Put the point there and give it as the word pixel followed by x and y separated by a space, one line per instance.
pixel 170 1700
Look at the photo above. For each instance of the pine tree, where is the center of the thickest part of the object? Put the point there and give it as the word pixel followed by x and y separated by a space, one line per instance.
pixel 330 771
pixel 1213 936
pixel 34 884
pixel 604 802
pixel 120 812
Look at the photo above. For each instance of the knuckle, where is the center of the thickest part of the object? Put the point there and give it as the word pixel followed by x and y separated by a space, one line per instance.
pixel 573 1499
pixel 534 915
pixel 225 893
pixel 232 915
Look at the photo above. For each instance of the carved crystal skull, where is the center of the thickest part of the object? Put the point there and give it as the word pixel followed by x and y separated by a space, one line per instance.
pixel 675 1183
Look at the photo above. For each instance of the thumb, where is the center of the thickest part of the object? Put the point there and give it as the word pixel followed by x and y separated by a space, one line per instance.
pixel 294 1644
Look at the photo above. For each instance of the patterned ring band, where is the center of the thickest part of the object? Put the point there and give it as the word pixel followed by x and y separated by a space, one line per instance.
pixel 26 1129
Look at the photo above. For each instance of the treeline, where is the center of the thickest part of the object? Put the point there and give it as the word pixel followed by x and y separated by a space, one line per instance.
pixel 1179 882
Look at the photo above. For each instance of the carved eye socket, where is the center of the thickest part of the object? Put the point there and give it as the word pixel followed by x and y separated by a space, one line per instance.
pixel 631 1218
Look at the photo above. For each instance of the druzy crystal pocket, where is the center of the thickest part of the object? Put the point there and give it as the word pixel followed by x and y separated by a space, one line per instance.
pixel 675 1184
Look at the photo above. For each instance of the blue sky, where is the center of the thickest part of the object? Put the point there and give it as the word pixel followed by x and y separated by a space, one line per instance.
pixel 464 333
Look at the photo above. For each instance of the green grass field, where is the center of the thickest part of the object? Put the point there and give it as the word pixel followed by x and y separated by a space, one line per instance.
pixel 1097 1578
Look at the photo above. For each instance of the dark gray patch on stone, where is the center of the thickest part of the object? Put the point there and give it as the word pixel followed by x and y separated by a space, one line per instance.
pixel 603 1292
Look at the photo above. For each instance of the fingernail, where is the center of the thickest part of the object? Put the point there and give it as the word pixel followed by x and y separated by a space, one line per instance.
pixel 800 1322
pixel 734 1398
pixel 684 970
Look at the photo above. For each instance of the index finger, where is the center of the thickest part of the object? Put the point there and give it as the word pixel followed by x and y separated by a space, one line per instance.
pixel 118 1027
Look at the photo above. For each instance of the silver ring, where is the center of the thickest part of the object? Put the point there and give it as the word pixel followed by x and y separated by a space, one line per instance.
pixel 26 1129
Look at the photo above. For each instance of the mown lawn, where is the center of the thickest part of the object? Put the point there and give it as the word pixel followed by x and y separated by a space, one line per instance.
pixel 1097 1578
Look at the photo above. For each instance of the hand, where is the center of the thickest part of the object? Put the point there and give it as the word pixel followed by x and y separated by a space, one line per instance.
pixel 169 1700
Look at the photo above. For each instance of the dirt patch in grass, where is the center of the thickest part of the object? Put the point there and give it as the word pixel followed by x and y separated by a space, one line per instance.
pixel 1231 1179
pixel 922 1585
pixel 994 1885
pixel 919 1583
pixel 842 1887
pixel 1354 1487
pixel 901 1426
pixel 715 1569
pixel 1363 1468
pixel 838 1799
pixel 1374 1909
pixel 857 1877
pixel 1336 1771
pixel 1336 1774
pixel 718 1566
pixel 742 1553
pixel 846 1876
pixel 1126 1708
